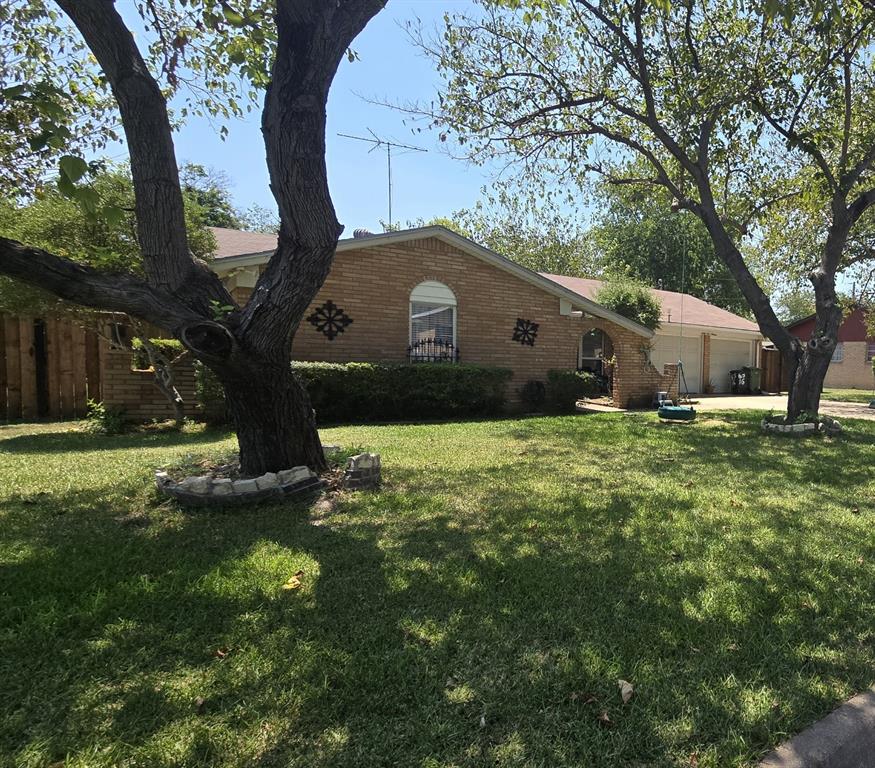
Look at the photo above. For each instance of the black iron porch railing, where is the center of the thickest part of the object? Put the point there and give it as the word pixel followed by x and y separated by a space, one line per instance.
pixel 433 351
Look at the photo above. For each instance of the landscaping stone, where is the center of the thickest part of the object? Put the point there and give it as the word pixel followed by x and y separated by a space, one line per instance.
pixel 794 429
pixel 362 471
pixel 267 480
pixel 245 486
pixel 294 475
pixel 297 482
pixel 831 426
pixel 222 487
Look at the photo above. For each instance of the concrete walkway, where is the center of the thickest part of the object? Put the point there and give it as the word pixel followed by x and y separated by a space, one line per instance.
pixel 778 403
pixel 843 739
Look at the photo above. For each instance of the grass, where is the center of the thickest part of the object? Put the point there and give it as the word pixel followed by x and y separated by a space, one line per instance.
pixel 849 395
pixel 462 616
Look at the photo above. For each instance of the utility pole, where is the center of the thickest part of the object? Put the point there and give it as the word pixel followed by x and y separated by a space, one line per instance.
pixel 377 142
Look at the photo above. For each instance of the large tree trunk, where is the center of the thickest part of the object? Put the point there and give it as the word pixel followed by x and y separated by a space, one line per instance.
pixel 806 382
pixel 271 413
pixel 812 358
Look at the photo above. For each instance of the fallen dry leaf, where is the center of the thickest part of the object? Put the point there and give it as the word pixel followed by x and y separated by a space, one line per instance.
pixel 482 721
pixel 199 703
pixel 694 760
pixel 605 721
pixel 626 690
pixel 295 581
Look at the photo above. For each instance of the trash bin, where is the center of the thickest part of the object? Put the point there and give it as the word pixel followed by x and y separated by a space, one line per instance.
pixel 738 381
pixel 754 375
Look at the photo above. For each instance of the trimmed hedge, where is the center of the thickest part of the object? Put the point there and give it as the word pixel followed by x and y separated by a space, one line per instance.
pixel 359 392
pixel 565 388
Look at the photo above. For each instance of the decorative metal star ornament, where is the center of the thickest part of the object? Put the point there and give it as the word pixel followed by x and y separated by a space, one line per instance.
pixel 330 319
pixel 525 332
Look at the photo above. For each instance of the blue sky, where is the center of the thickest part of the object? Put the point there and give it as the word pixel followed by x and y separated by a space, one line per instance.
pixel 389 68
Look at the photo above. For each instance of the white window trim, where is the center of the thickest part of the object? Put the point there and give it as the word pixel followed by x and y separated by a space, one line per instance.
pixel 838 354
pixel 434 292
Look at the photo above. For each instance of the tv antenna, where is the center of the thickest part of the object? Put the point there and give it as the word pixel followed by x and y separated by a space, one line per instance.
pixel 377 143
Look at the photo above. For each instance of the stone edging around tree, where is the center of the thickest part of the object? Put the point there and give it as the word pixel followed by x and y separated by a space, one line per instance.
pixel 828 427
pixel 363 471
pixel 206 491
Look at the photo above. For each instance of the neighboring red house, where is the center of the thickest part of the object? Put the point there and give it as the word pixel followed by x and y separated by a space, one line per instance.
pixel 851 366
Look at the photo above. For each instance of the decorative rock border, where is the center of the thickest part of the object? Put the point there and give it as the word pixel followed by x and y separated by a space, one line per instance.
pixel 206 491
pixel 362 471
pixel 827 425
pixel 794 429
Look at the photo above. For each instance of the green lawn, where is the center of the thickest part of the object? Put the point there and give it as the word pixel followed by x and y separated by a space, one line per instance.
pixel 463 616
pixel 848 395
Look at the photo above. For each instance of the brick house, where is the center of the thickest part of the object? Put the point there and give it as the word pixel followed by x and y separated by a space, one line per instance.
pixel 851 365
pixel 429 293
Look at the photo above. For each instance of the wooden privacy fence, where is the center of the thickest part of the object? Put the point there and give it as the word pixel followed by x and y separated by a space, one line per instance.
pixel 49 368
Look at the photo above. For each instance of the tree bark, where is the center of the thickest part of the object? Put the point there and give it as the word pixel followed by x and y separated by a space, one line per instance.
pixel 272 416
pixel 806 383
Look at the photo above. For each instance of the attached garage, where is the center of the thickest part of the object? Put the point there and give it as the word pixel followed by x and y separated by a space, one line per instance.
pixel 666 349
pixel 728 355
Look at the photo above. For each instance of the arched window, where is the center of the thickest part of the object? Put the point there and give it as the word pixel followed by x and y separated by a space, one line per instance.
pixel 432 322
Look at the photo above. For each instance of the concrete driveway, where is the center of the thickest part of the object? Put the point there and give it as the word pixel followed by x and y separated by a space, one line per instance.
pixel 778 403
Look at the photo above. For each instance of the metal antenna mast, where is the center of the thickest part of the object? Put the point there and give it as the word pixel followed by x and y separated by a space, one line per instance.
pixel 377 143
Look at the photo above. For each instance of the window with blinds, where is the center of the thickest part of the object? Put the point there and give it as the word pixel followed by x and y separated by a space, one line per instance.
pixel 432 322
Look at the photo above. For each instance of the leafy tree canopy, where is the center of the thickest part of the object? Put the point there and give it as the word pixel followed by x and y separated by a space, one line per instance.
pixel 630 298
pixel 636 231
pixel 212 191
pixel 57 223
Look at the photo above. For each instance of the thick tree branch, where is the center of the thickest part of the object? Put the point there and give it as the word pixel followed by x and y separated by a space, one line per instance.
pixel 161 229
pixel 89 287
pixel 861 204
pixel 312 38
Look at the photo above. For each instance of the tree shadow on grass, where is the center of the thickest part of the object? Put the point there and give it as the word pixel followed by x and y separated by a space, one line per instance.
pixel 67 441
pixel 443 620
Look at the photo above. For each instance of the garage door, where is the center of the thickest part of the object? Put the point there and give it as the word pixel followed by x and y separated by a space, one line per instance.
pixel 666 349
pixel 727 356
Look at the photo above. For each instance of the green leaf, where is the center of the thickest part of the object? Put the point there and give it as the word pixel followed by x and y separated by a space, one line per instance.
pixel 233 17
pixel 88 199
pixel 113 215
pixel 74 168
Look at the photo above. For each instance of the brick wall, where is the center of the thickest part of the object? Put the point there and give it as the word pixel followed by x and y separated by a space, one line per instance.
pixel 136 391
pixel 373 286
pixel 854 372
pixel 706 361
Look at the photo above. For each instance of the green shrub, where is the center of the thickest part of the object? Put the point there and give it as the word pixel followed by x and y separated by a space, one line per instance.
pixel 169 348
pixel 357 392
pixel 103 420
pixel 361 392
pixel 533 394
pixel 565 388
pixel 630 299
pixel 210 395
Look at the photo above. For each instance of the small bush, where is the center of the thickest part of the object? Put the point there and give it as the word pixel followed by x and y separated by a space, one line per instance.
pixel 170 348
pixel 103 420
pixel 630 299
pixel 565 388
pixel 533 394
